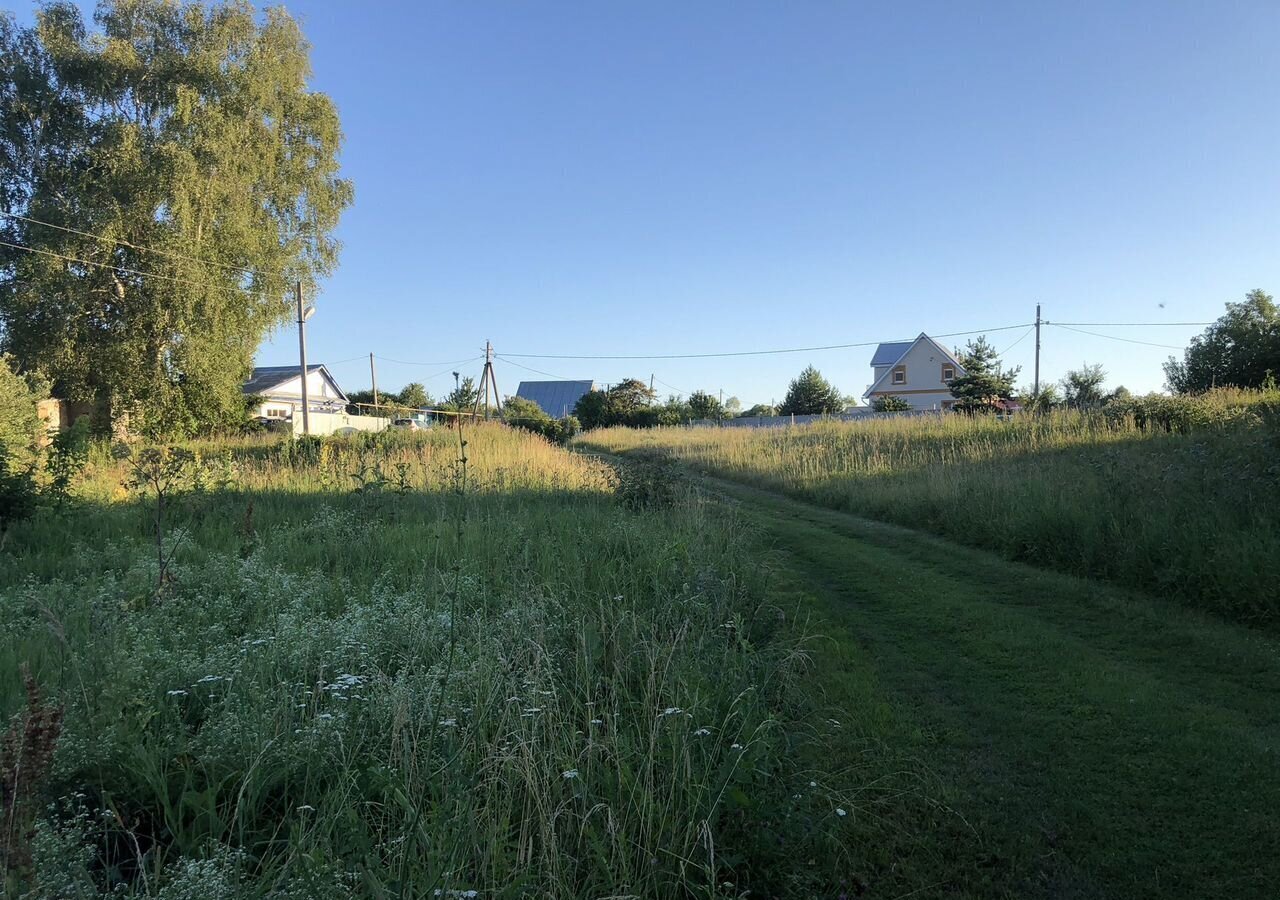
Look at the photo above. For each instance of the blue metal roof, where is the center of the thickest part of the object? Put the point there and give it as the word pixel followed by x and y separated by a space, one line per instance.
pixel 557 398
pixel 888 354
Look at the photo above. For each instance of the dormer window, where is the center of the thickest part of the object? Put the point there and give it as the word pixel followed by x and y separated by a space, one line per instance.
pixel 948 373
pixel 900 375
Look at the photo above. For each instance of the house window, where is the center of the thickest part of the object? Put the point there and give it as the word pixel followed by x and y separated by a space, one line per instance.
pixel 275 413
pixel 900 375
pixel 948 373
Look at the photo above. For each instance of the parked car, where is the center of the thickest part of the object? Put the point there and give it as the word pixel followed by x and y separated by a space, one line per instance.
pixel 405 425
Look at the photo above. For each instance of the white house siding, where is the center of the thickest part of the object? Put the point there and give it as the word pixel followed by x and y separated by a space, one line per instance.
pixel 924 387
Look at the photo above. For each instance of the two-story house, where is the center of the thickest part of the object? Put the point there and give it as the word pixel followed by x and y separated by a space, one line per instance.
pixel 919 371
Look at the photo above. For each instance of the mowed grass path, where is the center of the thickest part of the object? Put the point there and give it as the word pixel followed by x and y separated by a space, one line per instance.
pixel 1099 744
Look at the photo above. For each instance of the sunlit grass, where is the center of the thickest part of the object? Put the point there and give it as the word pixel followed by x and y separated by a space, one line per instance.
pixel 375 673
pixel 1193 517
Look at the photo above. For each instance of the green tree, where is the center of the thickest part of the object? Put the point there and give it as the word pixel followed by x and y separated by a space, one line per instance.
pixel 629 402
pixel 20 425
pixel 1082 387
pixel 760 409
pixel 811 394
pixel 414 395
pixel 984 380
pixel 463 396
pixel 199 174
pixel 705 406
pixel 1045 400
pixel 732 406
pixel 592 409
pixel 890 403
pixel 1241 349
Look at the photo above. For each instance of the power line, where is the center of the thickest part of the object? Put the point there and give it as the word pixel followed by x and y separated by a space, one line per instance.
pixel 1128 324
pixel 132 246
pixel 531 369
pixel 1112 337
pixel 1025 335
pixel 508 356
pixel 669 385
pixel 405 362
pixel 114 267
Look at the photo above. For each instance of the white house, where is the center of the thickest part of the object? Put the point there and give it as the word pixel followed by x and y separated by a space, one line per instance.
pixel 280 388
pixel 918 371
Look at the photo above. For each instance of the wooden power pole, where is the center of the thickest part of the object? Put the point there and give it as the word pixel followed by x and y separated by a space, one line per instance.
pixel 373 375
pixel 1036 390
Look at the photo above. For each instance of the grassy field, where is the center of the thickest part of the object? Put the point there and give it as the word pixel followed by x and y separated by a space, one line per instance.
pixel 365 669
pixel 1193 517
pixel 1097 743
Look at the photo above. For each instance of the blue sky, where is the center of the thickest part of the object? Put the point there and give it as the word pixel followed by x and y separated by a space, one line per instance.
pixel 664 178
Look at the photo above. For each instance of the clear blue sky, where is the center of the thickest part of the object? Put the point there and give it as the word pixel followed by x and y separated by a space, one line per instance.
pixel 614 178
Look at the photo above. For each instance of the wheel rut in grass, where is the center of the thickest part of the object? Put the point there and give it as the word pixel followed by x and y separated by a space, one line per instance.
pixel 1101 742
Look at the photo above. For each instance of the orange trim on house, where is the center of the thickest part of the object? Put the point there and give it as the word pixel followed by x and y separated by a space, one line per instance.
pixel 913 391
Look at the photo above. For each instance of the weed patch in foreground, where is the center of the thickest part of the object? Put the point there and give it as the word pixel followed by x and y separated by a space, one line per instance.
pixel 397 686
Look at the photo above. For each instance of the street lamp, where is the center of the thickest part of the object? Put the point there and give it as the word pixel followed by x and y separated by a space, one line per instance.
pixel 303 315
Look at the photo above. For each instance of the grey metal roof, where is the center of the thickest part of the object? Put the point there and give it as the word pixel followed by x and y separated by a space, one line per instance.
pixel 890 353
pixel 557 398
pixel 264 378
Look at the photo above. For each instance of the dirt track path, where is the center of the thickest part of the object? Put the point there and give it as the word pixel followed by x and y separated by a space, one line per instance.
pixel 1099 743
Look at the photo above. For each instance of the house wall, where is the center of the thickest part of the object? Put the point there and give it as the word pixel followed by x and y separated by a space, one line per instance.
pixel 277 409
pixel 924 387
pixel 322 423
pixel 321 395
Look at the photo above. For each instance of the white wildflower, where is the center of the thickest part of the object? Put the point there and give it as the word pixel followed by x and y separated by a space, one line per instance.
pixel 178 693
pixel 569 773
pixel 702 732
pixel 840 812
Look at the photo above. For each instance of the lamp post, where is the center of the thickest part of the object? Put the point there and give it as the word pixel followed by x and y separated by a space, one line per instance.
pixel 303 315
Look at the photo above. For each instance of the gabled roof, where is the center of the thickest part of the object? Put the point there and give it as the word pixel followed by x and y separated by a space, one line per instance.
pixel 264 378
pixel 889 353
pixel 557 398
pixel 907 347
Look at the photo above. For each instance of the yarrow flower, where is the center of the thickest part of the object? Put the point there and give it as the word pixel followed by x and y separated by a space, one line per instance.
pixel 569 773
pixel 702 732
pixel 671 711
pixel 840 812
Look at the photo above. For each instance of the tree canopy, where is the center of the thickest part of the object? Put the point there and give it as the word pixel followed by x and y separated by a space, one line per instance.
pixel 629 402
pixel 705 406
pixel 984 381
pixel 1241 349
pixel 811 394
pixel 197 177
pixel 463 397
pixel 1082 387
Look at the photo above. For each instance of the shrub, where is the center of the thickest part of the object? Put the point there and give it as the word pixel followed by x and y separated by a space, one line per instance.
pixel 890 403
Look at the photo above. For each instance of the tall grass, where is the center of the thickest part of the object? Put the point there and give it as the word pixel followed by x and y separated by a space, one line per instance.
pixel 1191 515
pixel 364 679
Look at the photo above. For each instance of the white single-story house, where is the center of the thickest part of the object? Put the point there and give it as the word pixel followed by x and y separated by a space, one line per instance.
pixel 280 389
pixel 919 371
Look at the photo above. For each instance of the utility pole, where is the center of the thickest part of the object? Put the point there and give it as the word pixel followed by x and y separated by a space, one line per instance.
pixel 651 383
pixel 373 374
pixel 1036 389
pixel 302 360
pixel 487 378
